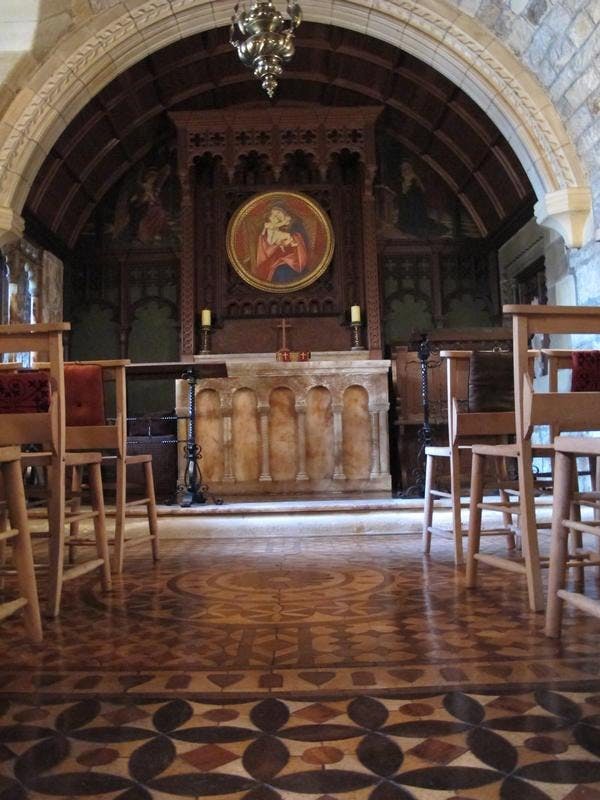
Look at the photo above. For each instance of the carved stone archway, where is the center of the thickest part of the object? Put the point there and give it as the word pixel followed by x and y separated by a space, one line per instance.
pixel 432 30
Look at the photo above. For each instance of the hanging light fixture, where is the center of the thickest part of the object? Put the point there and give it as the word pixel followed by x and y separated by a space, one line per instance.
pixel 264 39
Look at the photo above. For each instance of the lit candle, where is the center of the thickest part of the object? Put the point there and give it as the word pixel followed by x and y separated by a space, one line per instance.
pixel 205 317
pixel 355 314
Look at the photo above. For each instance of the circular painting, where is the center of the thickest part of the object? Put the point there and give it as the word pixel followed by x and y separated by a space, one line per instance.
pixel 280 241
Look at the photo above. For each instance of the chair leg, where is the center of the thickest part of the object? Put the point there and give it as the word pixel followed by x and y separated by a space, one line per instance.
pixel 500 469
pixel 97 497
pixel 428 503
pixel 22 551
pixel 75 506
pixel 455 500
pixel 151 506
pixel 559 543
pixel 477 468
pixel 531 553
pixel 120 508
pixel 576 536
pixel 56 525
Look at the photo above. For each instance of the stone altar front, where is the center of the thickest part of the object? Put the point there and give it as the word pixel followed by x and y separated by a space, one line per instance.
pixel 312 427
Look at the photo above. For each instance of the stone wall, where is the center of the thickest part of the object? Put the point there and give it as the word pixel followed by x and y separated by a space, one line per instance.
pixel 560 43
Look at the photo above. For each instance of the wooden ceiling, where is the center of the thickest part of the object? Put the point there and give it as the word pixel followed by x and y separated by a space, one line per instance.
pixel 423 110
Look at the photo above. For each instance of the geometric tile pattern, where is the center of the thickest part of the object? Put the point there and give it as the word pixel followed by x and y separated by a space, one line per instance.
pixel 539 745
pixel 347 668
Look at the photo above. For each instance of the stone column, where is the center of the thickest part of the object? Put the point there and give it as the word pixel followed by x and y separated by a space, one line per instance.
pixel 265 467
pixel 226 416
pixel 301 474
pixel 338 443
pixel 384 442
pixel 374 417
pixel 51 290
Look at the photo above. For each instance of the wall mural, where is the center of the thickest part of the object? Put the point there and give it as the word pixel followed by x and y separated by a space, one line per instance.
pixel 414 202
pixel 146 204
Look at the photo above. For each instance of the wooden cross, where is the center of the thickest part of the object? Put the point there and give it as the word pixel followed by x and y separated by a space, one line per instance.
pixel 284 326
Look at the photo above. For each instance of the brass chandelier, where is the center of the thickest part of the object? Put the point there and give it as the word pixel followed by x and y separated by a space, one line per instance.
pixel 264 39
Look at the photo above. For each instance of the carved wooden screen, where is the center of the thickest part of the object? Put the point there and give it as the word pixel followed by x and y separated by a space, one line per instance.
pixel 224 160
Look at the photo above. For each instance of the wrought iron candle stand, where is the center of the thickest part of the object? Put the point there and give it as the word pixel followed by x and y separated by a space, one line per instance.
pixel 424 435
pixel 205 339
pixel 356 336
pixel 194 491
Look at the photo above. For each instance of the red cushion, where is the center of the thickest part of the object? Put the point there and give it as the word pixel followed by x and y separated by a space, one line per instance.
pixel 24 392
pixel 586 371
pixel 84 391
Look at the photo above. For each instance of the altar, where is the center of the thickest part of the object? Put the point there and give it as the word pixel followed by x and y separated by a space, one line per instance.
pixel 313 427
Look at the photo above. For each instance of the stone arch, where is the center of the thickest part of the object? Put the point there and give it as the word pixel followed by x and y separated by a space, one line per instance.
pixel 433 30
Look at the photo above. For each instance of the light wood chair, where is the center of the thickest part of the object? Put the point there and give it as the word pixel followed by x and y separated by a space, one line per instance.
pixel 89 429
pixel 46 426
pixel 562 411
pixel 464 426
pixel 567 450
pixel 19 536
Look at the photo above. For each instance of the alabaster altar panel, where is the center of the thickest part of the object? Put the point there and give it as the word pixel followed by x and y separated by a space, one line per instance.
pixel 293 428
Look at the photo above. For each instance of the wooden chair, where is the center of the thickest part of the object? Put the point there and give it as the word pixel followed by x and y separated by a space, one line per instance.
pixel 465 426
pixel 18 535
pixel 88 429
pixel 560 410
pixel 567 449
pixel 45 425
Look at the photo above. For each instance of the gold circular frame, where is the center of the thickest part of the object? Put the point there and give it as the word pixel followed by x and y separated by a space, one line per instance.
pixel 307 239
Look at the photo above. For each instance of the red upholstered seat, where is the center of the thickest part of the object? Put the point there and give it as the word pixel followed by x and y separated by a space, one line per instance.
pixel 24 392
pixel 84 394
pixel 586 371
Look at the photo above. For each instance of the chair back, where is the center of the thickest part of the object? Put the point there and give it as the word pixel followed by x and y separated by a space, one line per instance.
pixel 573 362
pixel 87 427
pixel 35 420
pixel 562 411
pixel 480 394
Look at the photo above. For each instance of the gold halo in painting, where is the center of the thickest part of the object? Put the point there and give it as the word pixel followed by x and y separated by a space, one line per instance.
pixel 280 241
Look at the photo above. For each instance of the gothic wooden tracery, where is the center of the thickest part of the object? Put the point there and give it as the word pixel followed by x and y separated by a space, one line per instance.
pixel 224 158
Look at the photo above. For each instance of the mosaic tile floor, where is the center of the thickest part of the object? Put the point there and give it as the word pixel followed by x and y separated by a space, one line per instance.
pixel 273 669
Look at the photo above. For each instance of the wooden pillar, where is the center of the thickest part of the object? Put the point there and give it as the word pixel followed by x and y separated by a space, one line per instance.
pixel 187 294
pixel 371 267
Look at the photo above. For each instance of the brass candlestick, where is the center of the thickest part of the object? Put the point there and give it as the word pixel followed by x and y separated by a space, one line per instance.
pixel 356 336
pixel 205 339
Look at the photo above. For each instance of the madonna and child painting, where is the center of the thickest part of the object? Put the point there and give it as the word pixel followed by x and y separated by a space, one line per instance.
pixel 280 241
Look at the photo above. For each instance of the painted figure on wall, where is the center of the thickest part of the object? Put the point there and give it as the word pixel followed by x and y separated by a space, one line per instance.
pixel 279 241
pixel 281 253
pixel 146 207
pixel 148 219
pixel 414 201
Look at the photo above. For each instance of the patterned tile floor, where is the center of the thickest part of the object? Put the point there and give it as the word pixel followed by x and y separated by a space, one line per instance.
pixel 328 669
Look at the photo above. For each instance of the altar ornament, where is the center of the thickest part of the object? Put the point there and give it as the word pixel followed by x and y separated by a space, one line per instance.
pixel 293 355
pixel 356 324
pixel 205 323
pixel 264 39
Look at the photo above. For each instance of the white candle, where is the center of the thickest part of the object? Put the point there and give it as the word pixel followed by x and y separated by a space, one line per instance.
pixel 205 317
pixel 355 314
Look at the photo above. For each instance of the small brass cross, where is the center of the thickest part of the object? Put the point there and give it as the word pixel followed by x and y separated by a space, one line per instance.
pixel 284 326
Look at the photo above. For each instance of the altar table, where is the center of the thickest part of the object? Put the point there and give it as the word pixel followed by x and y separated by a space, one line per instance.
pixel 314 427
